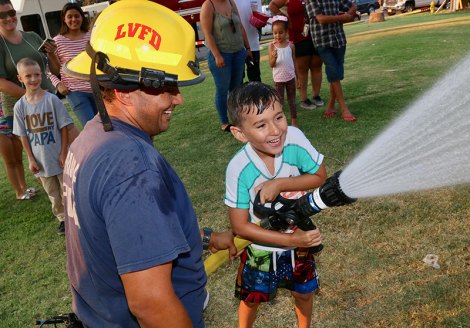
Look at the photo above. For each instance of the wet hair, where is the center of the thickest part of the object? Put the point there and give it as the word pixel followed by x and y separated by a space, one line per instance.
pixel 64 29
pixel 250 96
pixel 25 62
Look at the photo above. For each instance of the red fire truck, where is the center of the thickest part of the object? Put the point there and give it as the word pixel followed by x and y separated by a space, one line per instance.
pixel 189 10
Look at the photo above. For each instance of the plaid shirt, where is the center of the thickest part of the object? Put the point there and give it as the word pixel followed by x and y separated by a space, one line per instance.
pixel 328 35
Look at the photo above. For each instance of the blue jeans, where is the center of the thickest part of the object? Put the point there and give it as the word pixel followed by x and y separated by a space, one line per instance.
pixel 226 78
pixel 333 58
pixel 83 105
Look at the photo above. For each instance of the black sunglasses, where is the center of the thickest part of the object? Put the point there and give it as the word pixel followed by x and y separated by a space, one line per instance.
pixel 173 90
pixel 5 14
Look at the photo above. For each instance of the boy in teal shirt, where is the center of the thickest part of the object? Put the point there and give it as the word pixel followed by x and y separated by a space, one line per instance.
pixel 276 159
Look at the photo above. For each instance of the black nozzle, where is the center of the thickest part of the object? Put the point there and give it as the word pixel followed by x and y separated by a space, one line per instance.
pixel 332 194
pixel 329 194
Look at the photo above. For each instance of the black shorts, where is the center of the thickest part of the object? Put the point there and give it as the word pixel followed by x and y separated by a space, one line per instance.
pixel 305 48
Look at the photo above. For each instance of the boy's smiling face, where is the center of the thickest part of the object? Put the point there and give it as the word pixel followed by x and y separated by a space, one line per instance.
pixel 266 132
pixel 31 76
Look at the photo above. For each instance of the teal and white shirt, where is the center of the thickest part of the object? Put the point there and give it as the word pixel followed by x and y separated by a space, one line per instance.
pixel 246 170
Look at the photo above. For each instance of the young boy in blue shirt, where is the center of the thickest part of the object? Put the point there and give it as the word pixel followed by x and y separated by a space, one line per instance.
pixel 41 121
pixel 276 159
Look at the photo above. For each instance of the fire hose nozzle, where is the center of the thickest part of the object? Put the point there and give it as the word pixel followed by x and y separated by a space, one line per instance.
pixel 329 194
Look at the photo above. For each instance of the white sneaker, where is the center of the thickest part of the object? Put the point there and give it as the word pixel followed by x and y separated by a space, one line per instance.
pixel 318 101
pixel 307 104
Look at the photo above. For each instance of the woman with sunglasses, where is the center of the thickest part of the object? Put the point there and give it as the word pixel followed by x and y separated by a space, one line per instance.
pixel 229 47
pixel 15 45
pixel 71 40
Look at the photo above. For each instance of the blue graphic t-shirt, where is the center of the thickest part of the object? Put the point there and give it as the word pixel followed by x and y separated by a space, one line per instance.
pixel 41 123
pixel 126 210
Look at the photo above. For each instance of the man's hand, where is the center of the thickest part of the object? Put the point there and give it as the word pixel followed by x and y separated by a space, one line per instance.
pixel 222 240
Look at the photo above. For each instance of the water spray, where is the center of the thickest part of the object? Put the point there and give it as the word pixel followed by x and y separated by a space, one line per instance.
pixel 427 147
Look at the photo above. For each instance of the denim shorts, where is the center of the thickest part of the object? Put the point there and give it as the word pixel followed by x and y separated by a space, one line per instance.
pixel 333 58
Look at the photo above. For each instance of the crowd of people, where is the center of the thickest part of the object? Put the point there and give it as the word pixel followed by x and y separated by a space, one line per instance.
pixel 108 184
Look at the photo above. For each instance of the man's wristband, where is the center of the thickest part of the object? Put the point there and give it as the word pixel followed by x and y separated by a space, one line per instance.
pixel 206 238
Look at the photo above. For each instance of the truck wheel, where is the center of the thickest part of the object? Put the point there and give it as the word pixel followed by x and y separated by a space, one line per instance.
pixel 409 7
pixel 371 9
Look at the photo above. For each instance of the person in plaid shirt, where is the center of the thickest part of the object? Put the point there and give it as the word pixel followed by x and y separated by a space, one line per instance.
pixel 326 18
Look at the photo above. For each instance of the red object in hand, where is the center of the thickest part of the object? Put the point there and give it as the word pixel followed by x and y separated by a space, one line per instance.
pixel 258 19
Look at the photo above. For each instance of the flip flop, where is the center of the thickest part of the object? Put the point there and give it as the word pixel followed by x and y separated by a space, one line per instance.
pixel 26 196
pixel 327 115
pixel 32 190
pixel 349 118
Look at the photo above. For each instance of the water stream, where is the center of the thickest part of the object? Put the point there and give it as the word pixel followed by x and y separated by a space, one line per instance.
pixel 427 147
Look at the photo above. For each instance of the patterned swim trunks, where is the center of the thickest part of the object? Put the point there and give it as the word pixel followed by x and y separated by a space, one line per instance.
pixel 262 272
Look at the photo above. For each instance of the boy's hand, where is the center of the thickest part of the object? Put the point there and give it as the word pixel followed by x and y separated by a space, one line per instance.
pixel 306 238
pixel 34 167
pixel 269 191
pixel 62 157
pixel 222 240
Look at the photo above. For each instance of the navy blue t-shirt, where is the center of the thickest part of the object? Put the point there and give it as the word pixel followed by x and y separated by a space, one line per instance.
pixel 126 210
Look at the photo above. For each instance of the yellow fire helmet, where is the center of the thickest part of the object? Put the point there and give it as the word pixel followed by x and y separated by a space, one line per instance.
pixel 138 43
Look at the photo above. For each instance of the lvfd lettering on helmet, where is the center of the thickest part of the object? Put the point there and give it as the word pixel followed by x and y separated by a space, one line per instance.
pixel 142 30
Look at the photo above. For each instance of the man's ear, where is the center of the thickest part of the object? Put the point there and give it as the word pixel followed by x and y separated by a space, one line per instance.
pixel 238 133
pixel 123 97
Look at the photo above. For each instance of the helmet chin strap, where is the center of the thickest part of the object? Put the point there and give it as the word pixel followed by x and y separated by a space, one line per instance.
pixel 107 125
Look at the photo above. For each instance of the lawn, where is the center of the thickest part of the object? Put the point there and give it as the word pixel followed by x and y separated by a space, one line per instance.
pixel 371 268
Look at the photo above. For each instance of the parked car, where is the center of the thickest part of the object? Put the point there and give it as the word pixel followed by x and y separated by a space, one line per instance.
pixel 395 6
pixel 267 29
pixel 367 6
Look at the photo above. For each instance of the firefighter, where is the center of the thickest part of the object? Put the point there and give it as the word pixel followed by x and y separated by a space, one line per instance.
pixel 133 242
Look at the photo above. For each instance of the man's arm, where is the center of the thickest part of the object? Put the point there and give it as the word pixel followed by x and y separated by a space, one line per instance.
pixel 152 299
pixel 327 19
pixel 315 12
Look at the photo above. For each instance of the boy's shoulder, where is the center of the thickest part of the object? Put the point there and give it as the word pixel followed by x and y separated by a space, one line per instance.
pixel 295 135
pixel 241 153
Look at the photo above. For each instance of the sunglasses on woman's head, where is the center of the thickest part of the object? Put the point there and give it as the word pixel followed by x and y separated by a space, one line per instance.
pixel 232 25
pixel 5 14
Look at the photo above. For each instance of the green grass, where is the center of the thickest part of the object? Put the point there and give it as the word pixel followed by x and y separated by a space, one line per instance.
pixel 371 268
